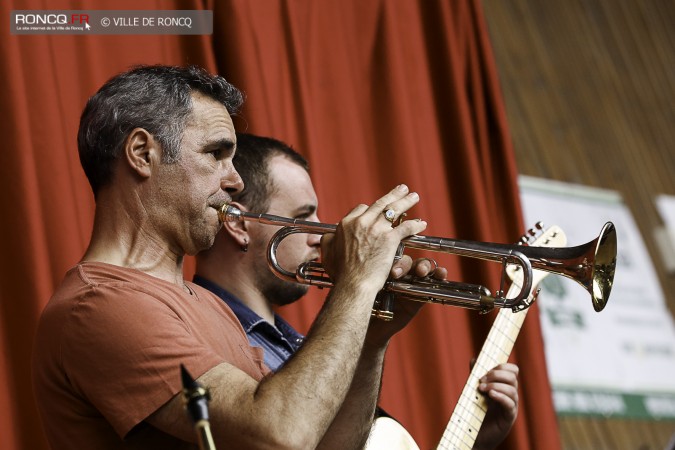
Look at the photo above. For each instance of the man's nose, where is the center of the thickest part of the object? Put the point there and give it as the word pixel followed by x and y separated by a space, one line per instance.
pixel 231 182
pixel 314 240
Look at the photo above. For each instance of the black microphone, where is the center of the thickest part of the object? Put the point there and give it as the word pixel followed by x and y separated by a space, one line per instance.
pixel 197 405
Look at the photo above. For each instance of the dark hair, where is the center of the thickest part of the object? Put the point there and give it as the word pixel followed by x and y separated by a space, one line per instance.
pixel 252 163
pixel 155 98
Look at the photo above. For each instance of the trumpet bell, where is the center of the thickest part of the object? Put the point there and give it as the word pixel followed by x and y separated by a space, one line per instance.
pixel 592 264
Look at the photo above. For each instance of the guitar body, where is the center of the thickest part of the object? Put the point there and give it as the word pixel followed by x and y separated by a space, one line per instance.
pixel 388 434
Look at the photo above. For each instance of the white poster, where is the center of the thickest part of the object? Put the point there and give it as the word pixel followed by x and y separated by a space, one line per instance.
pixel 621 361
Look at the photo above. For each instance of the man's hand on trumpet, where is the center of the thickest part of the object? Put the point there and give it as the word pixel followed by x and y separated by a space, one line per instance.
pixel 362 250
pixel 365 245
pixel 381 331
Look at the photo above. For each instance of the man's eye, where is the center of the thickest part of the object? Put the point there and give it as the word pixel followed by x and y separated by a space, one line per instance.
pixel 216 153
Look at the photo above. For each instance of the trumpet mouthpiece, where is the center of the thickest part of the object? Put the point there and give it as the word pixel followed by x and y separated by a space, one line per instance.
pixel 229 213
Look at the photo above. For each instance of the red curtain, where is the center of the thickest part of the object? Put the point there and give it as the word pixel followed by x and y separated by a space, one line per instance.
pixel 373 93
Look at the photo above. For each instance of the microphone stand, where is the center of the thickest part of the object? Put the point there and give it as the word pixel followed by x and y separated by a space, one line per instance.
pixel 196 402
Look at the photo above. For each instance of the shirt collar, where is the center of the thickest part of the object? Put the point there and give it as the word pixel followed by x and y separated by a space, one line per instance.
pixel 249 319
pixel 246 316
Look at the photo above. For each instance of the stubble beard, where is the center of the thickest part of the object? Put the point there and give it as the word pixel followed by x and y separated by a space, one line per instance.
pixel 281 292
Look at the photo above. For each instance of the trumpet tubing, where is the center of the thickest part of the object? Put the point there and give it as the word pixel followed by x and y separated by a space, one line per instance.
pixel 592 265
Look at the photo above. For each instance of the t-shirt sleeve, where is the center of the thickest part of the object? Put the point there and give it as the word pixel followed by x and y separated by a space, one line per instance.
pixel 123 351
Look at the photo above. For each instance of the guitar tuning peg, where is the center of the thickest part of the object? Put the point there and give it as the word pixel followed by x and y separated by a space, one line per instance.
pixel 535 295
pixel 523 240
pixel 539 225
pixel 531 232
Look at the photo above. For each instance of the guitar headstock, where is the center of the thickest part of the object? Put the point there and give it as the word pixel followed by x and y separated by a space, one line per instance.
pixel 552 236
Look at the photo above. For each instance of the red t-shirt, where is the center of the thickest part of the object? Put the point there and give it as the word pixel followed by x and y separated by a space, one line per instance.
pixel 108 352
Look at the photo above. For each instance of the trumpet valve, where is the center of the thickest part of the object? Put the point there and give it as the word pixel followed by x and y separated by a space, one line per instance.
pixel 383 308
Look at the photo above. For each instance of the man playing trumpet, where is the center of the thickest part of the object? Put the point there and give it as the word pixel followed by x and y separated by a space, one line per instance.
pixel 156 144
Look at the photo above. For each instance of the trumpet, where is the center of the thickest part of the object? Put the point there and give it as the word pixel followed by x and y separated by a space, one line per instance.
pixel 592 265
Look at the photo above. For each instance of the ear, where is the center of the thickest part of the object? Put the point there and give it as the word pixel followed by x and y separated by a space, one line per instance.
pixel 238 230
pixel 141 151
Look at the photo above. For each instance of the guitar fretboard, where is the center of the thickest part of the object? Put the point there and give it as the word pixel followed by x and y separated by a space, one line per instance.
pixel 468 416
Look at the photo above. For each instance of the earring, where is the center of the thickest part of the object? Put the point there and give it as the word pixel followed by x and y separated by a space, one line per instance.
pixel 244 248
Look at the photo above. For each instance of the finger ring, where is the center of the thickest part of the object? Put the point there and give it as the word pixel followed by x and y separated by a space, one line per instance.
pixel 435 264
pixel 390 215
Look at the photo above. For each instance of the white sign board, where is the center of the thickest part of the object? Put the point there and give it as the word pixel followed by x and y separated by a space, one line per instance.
pixel 621 361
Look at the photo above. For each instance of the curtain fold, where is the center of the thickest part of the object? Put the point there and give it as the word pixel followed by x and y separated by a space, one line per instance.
pixel 373 93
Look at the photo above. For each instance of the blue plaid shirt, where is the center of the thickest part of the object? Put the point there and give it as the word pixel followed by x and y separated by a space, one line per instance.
pixel 278 341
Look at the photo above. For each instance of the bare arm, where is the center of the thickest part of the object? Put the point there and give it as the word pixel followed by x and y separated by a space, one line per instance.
pixel 353 424
pixel 290 409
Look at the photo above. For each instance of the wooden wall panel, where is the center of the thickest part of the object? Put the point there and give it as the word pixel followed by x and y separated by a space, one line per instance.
pixel 589 87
